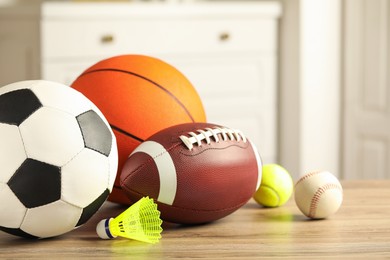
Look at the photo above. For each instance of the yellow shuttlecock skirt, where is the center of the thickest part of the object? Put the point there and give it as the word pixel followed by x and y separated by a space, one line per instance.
pixel 139 222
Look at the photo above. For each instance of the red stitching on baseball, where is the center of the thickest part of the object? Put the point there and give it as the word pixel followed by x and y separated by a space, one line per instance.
pixel 317 196
pixel 307 176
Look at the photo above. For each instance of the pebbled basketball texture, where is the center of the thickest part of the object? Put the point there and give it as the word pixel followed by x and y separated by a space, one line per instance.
pixel 196 172
pixel 139 95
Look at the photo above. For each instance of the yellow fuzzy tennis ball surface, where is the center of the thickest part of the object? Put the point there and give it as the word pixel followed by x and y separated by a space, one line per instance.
pixel 276 186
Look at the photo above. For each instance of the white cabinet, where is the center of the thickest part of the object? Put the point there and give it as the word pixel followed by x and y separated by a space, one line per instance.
pixel 228 50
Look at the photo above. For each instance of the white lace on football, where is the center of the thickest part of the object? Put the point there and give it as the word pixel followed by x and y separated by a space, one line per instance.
pixel 216 133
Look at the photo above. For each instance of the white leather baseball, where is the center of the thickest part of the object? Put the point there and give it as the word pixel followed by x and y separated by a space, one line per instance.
pixel 318 194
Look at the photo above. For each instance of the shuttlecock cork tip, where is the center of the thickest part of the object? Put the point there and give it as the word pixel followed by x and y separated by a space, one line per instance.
pixel 103 230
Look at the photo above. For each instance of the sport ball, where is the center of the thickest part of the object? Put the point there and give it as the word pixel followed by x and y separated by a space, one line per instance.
pixel 318 194
pixel 58 159
pixel 276 186
pixel 196 172
pixel 139 95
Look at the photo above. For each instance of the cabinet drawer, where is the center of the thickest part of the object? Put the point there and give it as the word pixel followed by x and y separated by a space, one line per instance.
pixel 83 38
pixel 226 76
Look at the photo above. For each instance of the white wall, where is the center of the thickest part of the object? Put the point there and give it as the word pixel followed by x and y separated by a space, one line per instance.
pixel 310 86
pixel 6 2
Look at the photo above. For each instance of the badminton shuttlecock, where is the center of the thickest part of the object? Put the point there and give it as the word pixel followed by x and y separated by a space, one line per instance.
pixel 139 222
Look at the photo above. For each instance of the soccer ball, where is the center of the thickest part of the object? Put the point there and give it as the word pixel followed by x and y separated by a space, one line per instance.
pixel 58 159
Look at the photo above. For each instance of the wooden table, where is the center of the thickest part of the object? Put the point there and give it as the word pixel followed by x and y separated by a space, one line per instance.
pixel 361 228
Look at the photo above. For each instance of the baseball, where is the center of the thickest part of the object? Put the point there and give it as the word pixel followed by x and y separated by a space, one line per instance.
pixel 318 194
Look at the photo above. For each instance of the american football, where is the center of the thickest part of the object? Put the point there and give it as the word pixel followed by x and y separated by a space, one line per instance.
pixel 196 172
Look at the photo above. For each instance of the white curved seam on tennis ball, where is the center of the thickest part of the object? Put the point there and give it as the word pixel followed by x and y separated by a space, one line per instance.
pixel 272 189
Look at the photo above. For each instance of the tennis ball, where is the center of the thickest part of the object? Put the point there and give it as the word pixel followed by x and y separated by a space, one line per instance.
pixel 276 186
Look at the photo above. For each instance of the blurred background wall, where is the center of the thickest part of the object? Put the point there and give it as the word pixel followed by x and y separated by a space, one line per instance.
pixel 326 68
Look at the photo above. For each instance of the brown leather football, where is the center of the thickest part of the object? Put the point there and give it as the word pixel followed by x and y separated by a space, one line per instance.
pixel 196 172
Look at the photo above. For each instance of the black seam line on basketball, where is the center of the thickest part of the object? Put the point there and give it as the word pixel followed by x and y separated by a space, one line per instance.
pixel 149 80
pixel 126 133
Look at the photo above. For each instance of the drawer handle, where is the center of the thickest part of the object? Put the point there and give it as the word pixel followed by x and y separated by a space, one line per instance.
pixel 108 38
pixel 225 36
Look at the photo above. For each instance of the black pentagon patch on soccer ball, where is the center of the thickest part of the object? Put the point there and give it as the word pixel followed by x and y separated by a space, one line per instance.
pixel 17 232
pixel 92 208
pixel 95 132
pixel 16 106
pixel 36 183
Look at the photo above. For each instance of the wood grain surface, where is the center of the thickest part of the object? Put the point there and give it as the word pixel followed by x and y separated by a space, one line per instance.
pixel 360 229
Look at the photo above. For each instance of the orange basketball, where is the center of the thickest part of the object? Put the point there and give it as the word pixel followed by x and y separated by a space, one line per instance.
pixel 139 96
